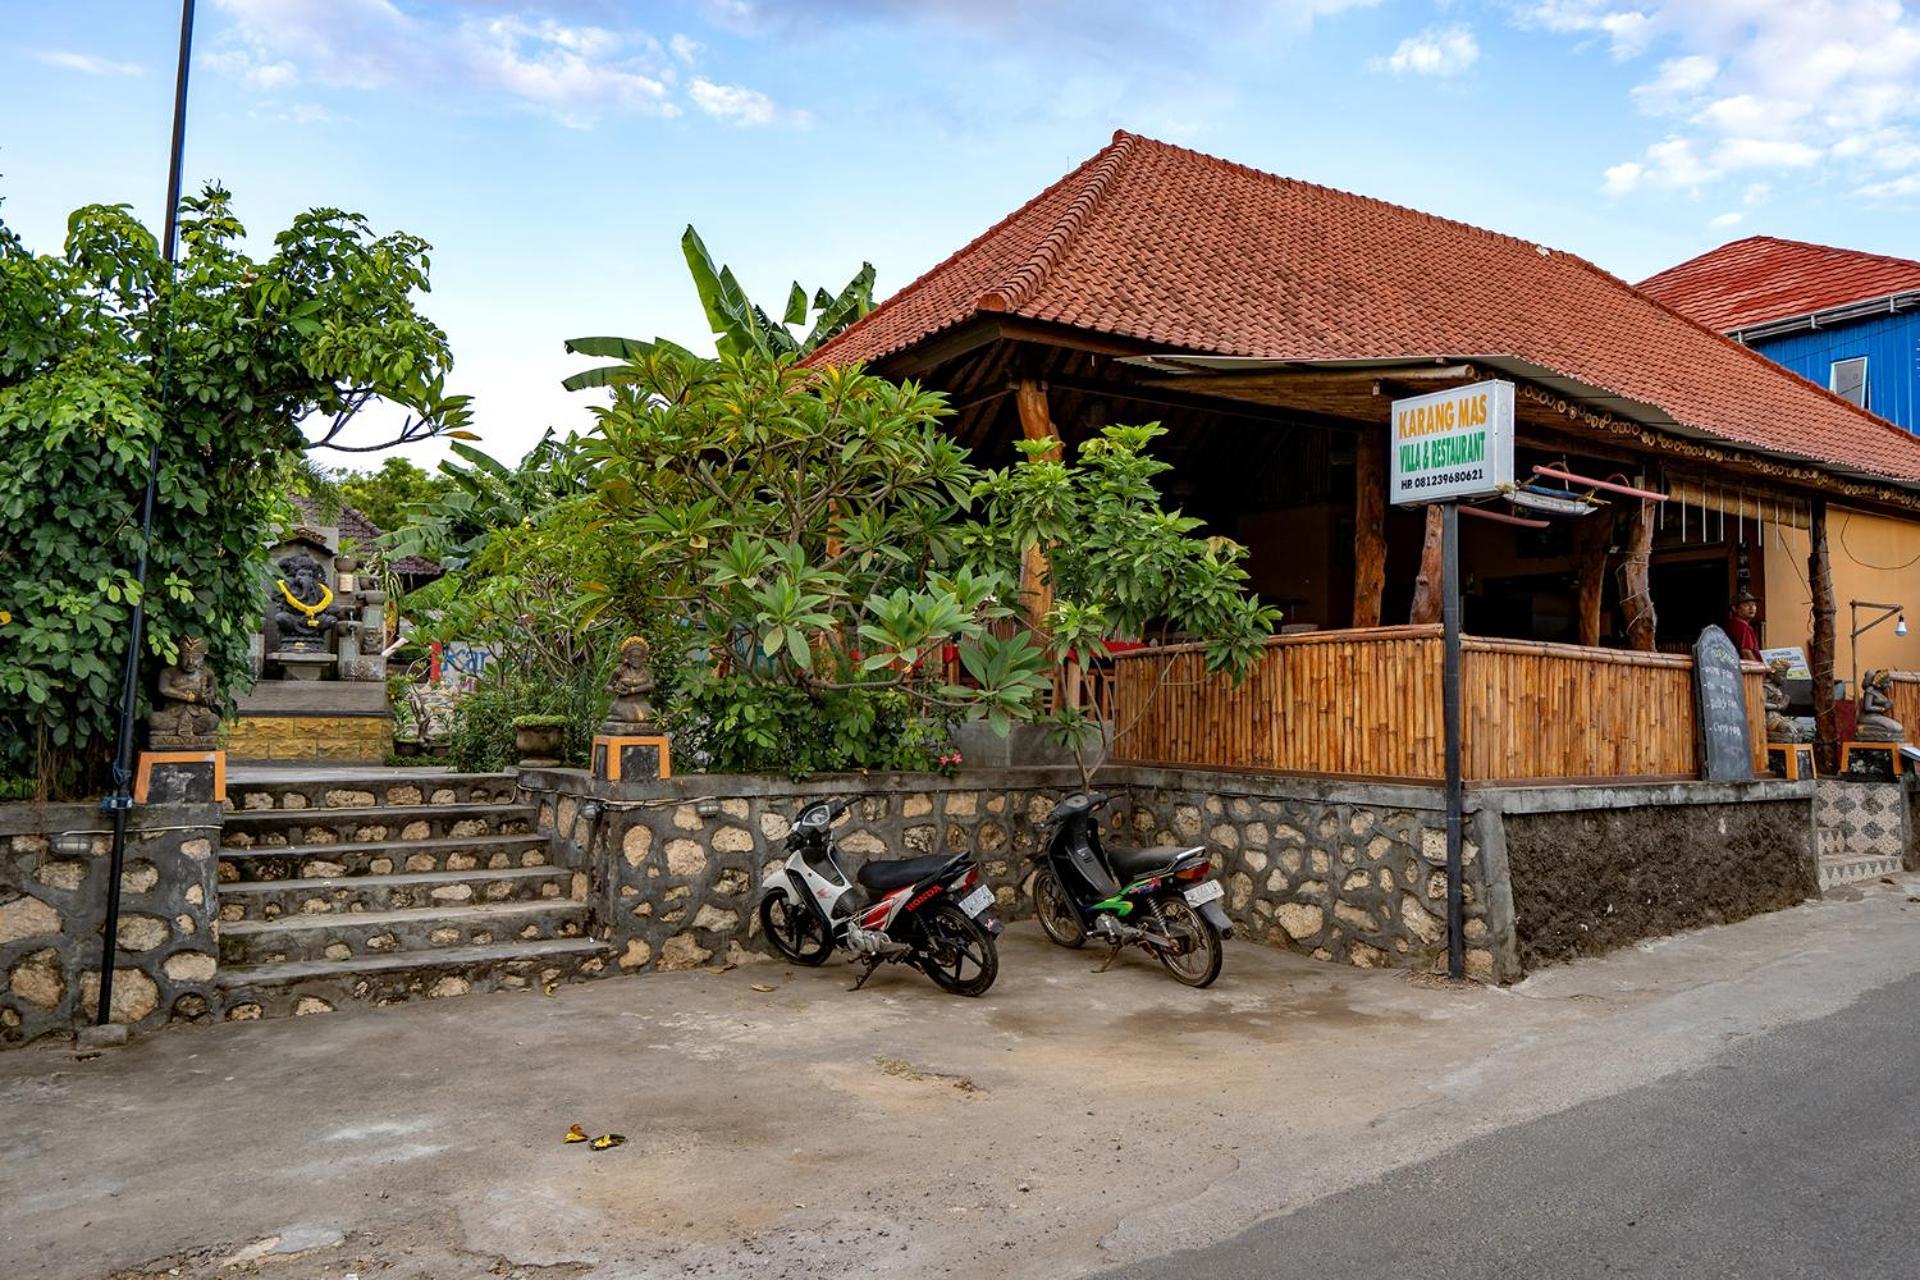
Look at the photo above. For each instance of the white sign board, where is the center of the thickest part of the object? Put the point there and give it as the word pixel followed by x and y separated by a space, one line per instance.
pixel 1452 444
pixel 1797 668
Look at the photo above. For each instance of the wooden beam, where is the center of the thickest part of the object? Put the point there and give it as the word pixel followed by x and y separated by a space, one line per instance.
pixel 1826 723
pixel 1592 537
pixel 1636 587
pixel 1426 588
pixel 1036 423
pixel 1369 526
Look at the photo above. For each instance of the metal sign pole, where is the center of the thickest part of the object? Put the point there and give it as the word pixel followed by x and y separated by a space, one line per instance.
pixel 121 800
pixel 1450 707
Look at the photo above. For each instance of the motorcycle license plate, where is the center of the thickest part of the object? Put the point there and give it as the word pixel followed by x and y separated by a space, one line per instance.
pixel 1201 894
pixel 977 901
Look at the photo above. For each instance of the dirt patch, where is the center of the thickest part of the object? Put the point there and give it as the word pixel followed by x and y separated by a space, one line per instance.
pixel 1592 881
pixel 901 1069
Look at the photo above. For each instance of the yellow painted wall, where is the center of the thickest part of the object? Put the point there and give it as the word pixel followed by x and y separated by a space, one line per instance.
pixel 1874 558
pixel 348 739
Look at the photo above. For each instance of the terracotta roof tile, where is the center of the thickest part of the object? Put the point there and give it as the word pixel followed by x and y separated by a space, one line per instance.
pixel 1762 278
pixel 1183 250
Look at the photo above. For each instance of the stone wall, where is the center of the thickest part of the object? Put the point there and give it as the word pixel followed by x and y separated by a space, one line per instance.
pixel 1595 868
pixel 1911 854
pixel 1352 872
pixel 53 902
pixel 328 739
pixel 1342 871
pixel 675 867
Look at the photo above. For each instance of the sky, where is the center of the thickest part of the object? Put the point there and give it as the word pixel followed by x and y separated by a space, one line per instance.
pixel 553 153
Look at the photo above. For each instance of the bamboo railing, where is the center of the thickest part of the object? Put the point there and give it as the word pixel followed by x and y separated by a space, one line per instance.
pixel 1367 704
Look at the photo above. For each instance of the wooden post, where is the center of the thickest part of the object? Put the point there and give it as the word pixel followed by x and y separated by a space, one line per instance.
pixel 1636 589
pixel 1592 536
pixel 1826 725
pixel 1036 423
pixel 1427 594
pixel 1369 526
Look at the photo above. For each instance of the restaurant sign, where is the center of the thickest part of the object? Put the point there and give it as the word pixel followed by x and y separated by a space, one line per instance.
pixel 1452 444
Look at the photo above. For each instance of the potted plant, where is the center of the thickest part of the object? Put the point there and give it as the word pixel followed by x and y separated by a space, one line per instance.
pixel 538 739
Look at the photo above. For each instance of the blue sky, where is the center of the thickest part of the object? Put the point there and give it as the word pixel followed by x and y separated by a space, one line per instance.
pixel 553 152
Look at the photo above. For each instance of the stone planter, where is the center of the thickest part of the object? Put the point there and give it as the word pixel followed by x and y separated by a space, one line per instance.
pixel 538 744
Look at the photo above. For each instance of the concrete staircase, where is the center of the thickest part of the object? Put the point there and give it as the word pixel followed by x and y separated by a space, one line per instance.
pixel 380 889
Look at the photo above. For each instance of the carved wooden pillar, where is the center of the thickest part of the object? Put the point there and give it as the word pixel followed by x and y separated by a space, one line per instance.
pixel 1636 588
pixel 1036 423
pixel 1369 526
pixel 1826 724
pixel 1592 536
pixel 1426 588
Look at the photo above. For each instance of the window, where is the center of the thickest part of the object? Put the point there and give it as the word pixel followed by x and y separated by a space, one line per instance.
pixel 1849 380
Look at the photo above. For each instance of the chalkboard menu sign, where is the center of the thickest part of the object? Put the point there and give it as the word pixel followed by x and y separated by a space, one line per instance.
pixel 1720 695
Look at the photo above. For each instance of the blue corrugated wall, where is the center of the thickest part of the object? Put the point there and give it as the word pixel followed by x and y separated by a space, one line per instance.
pixel 1891 344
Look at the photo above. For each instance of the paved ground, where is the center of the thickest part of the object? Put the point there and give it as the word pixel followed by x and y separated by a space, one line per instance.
pixel 1790 1156
pixel 1064 1123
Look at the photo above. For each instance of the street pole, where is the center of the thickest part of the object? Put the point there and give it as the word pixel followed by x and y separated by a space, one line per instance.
pixel 121 801
pixel 1450 711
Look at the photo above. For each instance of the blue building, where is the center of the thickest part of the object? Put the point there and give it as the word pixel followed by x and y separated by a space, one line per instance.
pixel 1846 320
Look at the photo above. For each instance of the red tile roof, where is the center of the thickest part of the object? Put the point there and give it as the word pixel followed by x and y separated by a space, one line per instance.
pixel 1763 278
pixel 1185 251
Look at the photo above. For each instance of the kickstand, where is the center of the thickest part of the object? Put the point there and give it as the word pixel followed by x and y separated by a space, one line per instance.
pixel 1111 957
pixel 872 963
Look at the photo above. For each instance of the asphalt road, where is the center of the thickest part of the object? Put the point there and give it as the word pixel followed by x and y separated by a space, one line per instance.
pixel 1795 1153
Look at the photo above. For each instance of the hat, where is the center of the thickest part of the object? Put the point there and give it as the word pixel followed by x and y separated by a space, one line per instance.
pixel 1745 596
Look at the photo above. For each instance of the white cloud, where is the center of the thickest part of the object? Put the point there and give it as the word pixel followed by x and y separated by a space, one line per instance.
pixel 732 102
pixel 575 72
pixel 1893 188
pixel 1751 85
pixel 1720 222
pixel 87 64
pixel 1756 193
pixel 1437 51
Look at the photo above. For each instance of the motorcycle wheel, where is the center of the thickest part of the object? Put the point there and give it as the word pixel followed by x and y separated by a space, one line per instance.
pixel 1054 910
pixel 957 953
pixel 795 933
pixel 1201 950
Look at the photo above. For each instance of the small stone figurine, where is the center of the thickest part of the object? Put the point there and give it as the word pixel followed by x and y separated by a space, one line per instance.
pixel 1780 726
pixel 188 711
pixel 302 605
pixel 631 714
pixel 1876 723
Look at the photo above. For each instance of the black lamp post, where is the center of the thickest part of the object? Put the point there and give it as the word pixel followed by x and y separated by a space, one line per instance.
pixel 121 800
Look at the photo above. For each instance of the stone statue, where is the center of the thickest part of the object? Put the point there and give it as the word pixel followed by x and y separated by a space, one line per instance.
pixel 1780 726
pixel 1876 722
pixel 631 714
pixel 302 605
pixel 187 713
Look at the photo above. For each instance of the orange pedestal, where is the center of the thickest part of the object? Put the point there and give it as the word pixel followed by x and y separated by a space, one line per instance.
pixel 618 758
pixel 180 777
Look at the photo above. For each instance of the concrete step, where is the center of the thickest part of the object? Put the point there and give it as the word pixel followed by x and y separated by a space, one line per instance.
pixel 382 858
pixel 341 936
pixel 401 891
pixel 390 823
pixel 372 790
pixel 1852 869
pixel 322 986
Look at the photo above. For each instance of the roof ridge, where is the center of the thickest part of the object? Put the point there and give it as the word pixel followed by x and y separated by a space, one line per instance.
pixel 1026 279
pixel 821 354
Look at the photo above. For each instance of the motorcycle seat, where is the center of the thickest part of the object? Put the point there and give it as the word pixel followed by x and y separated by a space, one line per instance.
pixel 1133 864
pixel 885 877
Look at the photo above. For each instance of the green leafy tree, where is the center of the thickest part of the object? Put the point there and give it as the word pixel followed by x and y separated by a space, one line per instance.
pixel 1119 565
pixel 390 496
pixel 803 531
pixel 480 495
pixel 740 326
pixel 235 366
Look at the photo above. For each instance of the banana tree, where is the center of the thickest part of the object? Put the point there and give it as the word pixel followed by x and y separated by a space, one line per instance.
pixel 740 326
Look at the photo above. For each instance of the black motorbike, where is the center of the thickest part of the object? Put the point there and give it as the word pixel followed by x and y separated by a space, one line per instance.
pixel 1161 899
